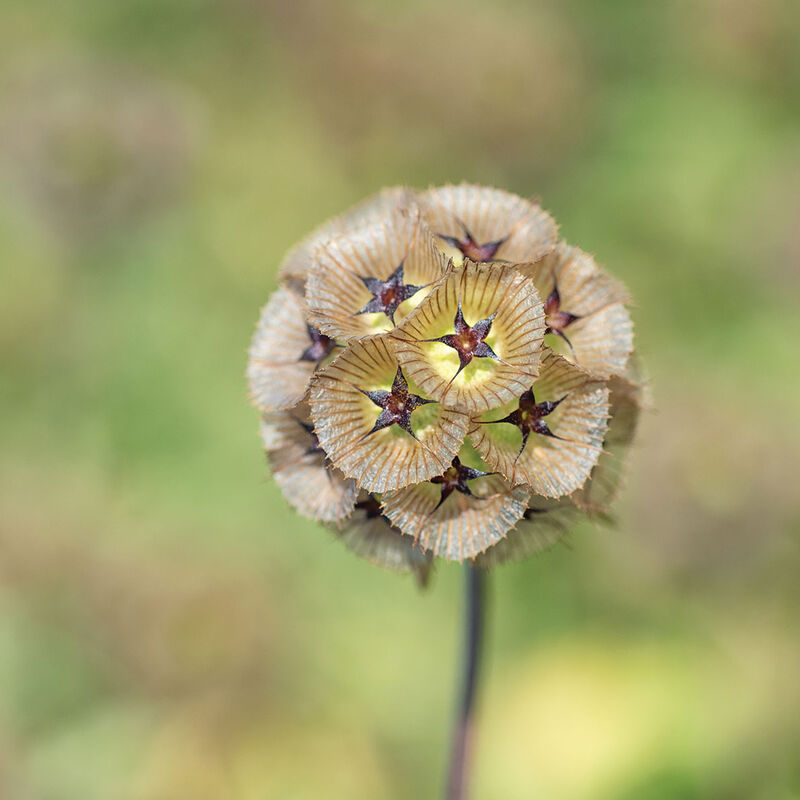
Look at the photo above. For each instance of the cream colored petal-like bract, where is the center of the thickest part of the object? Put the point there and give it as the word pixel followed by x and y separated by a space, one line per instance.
pixel 602 336
pixel 276 372
pixel 552 467
pixel 516 336
pixel 343 418
pixel 601 342
pixel 298 466
pixel 462 526
pixel 336 292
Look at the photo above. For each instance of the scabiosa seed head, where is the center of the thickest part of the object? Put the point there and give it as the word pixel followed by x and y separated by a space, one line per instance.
pixel 439 376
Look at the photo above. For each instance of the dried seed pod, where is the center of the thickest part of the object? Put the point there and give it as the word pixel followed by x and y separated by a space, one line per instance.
pixel 298 261
pixel 284 352
pixel 364 282
pixel 370 534
pixel 300 467
pixel 460 513
pixel 485 224
pixel 552 435
pixel 585 310
pixel 475 341
pixel 439 378
pixel 374 426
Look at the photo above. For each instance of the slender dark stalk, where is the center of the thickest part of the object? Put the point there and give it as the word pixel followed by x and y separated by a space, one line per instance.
pixel 461 753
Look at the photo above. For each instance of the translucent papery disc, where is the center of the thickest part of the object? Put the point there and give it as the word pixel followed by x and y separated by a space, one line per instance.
pixel 638 380
pixel 277 375
pixel 298 261
pixel 463 526
pixel 602 336
pixel 490 215
pixel 606 478
pixel 300 470
pixel 375 539
pixel 545 524
pixel 343 418
pixel 515 337
pixel 552 467
pixel 335 291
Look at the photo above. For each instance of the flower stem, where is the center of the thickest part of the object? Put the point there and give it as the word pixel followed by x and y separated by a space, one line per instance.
pixel 461 752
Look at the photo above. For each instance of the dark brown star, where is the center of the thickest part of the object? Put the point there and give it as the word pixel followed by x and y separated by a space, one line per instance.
pixel 472 249
pixel 387 295
pixel 396 405
pixel 556 319
pixel 320 347
pixel 455 480
pixel 468 340
pixel 529 417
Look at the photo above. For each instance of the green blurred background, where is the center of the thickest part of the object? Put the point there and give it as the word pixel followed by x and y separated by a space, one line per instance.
pixel 168 628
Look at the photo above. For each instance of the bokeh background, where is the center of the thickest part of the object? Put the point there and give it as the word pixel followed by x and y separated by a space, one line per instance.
pixel 168 628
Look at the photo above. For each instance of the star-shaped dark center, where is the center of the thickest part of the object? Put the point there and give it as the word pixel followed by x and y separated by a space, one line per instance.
pixel 556 319
pixel 396 405
pixel 472 249
pixel 455 480
pixel 387 295
pixel 468 340
pixel 320 347
pixel 529 417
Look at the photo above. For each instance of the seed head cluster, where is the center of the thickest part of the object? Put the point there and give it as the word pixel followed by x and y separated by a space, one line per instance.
pixel 439 375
